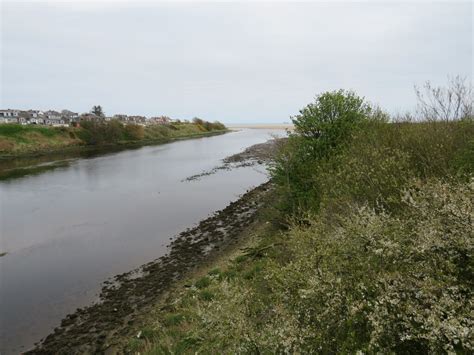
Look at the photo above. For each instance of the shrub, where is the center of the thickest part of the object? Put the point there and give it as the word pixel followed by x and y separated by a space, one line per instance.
pixel 371 282
pixel 134 132
pixel 328 122
pixel 377 257
pixel 96 133
pixel 203 282
pixel 378 283
pixel 322 130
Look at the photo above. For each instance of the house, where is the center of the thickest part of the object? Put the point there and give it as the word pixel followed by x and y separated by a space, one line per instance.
pixel 54 121
pixel 52 115
pixel 90 117
pixel 159 120
pixel 130 119
pixel 9 113
pixel 9 116
pixel 23 117
pixel 53 118
pixel 35 113
pixel 69 116
pixel 35 117
pixel 137 119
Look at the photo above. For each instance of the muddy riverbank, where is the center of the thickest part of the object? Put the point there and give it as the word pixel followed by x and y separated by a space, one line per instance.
pixel 257 154
pixel 126 298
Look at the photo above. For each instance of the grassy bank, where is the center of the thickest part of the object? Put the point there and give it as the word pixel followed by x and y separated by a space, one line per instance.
pixel 18 140
pixel 367 245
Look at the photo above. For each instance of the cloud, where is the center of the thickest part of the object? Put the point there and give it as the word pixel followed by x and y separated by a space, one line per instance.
pixel 229 61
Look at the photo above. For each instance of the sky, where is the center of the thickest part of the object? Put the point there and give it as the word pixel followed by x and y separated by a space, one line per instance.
pixel 237 62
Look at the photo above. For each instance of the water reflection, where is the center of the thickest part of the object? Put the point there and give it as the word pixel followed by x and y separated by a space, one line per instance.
pixel 68 229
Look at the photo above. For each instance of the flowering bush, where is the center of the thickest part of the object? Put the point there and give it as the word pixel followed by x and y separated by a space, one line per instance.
pixel 371 282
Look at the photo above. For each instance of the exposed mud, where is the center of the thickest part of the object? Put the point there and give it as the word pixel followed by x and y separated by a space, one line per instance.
pixel 128 296
pixel 257 154
pixel 125 299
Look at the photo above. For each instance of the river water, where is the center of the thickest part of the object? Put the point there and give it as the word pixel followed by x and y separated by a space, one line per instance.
pixel 69 229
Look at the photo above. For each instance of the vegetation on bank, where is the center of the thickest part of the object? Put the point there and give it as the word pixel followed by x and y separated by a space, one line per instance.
pixel 25 139
pixel 19 139
pixel 370 249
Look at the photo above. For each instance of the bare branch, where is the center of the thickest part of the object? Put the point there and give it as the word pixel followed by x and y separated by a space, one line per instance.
pixel 453 102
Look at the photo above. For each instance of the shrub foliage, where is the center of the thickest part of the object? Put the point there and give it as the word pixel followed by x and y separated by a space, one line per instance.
pixel 378 254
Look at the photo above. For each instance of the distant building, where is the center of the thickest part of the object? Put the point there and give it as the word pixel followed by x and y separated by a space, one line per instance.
pixel 9 116
pixel 53 118
pixel 130 119
pixel 137 119
pixel 35 113
pixel 120 117
pixel 159 120
pixel 69 116
pixel 90 117
pixel 51 114
pixel 9 113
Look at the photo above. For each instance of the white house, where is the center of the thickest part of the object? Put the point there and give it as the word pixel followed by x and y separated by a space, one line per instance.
pixel 9 116
pixel 53 118
pixel 35 113
pixel 159 120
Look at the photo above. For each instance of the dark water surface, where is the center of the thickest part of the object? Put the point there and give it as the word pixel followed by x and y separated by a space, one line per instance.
pixel 68 229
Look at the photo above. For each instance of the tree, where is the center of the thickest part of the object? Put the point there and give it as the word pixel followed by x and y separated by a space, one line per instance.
pixel 328 121
pixel 98 111
pixel 321 130
pixel 198 121
pixel 453 102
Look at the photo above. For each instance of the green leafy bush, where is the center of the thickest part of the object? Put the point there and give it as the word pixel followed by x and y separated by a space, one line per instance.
pixel 365 281
pixel 377 256
pixel 380 283
pixel 322 130
pixel 134 132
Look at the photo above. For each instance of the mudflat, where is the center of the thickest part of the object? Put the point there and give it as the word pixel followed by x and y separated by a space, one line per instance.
pixel 128 297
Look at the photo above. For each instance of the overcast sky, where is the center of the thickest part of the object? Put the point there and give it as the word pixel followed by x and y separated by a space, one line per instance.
pixel 234 62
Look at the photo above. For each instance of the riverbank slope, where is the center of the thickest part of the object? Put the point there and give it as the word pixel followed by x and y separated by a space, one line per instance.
pixel 18 141
pixel 362 242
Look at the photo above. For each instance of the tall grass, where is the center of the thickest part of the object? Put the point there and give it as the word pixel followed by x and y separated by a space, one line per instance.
pixel 15 130
pixel 19 139
pixel 114 131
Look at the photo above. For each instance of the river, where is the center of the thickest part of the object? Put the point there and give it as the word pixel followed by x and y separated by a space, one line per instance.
pixel 69 229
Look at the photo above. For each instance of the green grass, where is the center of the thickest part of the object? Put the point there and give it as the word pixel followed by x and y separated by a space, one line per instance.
pixel 16 130
pixel 203 282
pixel 17 140
pixel 20 139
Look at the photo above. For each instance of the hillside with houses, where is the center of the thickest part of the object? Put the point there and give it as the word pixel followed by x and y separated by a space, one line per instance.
pixel 69 118
pixel 23 133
